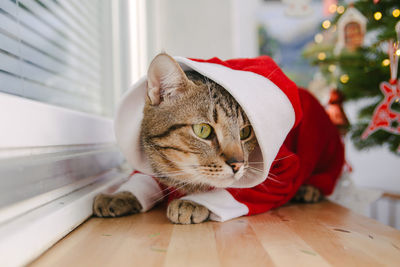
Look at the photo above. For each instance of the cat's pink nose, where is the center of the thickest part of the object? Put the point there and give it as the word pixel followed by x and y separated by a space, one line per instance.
pixel 235 164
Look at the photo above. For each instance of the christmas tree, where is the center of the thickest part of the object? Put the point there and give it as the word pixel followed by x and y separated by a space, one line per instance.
pixel 351 52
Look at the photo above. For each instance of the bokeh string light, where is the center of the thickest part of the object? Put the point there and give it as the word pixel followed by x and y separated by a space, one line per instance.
pixel 377 15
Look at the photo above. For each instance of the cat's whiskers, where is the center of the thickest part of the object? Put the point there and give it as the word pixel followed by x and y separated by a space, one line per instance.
pixel 171 172
pixel 173 175
pixel 262 185
pixel 163 191
pixel 265 187
pixel 269 177
pixel 277 181
pixel 179 173
pixel 262 162
pixel 184 183
pixel 259 170
pixel 291 155
pixel 253 168
pixel 167 174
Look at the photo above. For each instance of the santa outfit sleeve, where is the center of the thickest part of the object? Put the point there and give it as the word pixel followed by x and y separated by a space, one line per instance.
pixel 145 188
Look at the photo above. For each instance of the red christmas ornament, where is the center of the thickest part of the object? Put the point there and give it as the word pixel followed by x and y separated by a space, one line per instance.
pixel 336 113
pixel 384 117
pixel 376 2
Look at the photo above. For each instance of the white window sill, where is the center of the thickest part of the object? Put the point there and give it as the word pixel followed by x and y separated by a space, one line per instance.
pixel 25 237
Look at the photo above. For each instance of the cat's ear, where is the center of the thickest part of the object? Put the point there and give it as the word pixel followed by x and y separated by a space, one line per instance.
pixel 165 79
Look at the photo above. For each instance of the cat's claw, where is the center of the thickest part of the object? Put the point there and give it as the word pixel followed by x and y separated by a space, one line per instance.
pixel 186 212
pixel 116 205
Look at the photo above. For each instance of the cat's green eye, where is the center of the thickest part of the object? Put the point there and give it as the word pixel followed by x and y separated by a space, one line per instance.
pixel 202 130
pixel 245 132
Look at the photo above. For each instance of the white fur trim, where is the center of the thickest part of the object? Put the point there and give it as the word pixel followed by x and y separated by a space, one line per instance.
pixel 268 108
pixel 220 202
pixel 127 126
pixel 144 188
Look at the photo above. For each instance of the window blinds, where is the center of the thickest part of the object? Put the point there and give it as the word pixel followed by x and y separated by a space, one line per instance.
pixel 50 51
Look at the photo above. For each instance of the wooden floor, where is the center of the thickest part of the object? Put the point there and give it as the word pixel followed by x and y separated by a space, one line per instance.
pixel 321 234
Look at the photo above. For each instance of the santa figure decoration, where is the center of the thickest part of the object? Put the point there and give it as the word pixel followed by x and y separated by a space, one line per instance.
pixel 336 112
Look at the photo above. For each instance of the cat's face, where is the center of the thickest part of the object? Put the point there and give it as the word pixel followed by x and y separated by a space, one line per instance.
pixel 194 133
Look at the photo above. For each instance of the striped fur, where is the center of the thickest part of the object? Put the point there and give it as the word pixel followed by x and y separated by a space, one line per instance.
pixel 180 158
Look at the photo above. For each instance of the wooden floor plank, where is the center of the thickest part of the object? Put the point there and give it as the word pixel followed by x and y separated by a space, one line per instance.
pixel 336 238
pixel 248 250
pixel 192 246
pixel 133 240
pixel 322 234
pixel 283 245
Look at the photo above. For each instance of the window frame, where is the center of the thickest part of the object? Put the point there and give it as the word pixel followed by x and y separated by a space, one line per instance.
pixel 35 128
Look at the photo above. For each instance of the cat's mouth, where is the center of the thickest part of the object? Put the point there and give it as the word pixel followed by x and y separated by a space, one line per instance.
pixel 217 176
pixel 202 179
pixel 191 177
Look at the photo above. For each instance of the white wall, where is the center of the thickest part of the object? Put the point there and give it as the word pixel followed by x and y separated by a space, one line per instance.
pixel 244 22
pixel 203 29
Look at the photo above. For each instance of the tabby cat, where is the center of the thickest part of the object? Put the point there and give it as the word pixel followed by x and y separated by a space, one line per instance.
pixel 195 136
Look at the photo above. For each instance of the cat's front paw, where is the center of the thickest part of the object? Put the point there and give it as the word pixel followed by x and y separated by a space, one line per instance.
pixel 186 212
pixel 116 205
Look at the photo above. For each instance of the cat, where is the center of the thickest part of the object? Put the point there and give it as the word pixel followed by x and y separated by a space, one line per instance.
pixel 196 137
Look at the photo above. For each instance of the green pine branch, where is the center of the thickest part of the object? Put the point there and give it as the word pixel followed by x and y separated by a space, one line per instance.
pixel 365 68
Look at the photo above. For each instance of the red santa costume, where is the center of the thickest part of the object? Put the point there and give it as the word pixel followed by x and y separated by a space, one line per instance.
pixel 298 144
